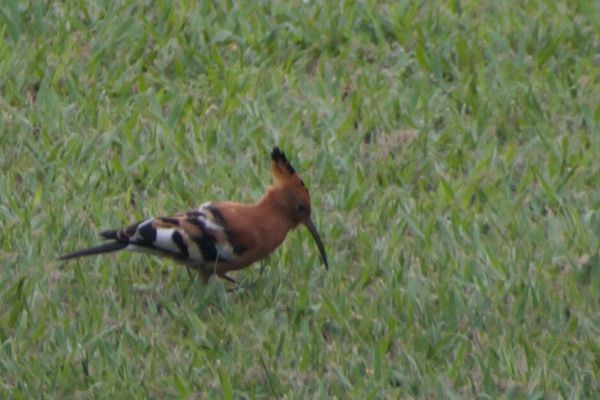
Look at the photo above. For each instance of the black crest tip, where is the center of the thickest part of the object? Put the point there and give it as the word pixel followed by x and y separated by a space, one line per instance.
pixel 278 155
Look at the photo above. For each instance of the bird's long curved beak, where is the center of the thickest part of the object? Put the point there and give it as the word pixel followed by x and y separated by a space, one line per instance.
pixel 313 231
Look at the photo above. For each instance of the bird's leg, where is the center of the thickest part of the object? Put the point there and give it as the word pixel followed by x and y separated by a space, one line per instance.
pixel 235 286
pixel 227 278
pixel 189 272
pixel 206 276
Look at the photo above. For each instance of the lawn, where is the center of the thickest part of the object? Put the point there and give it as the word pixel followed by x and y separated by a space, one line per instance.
pixel 451 149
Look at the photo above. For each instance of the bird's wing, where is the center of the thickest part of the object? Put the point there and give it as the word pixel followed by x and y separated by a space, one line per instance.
pixel 196 237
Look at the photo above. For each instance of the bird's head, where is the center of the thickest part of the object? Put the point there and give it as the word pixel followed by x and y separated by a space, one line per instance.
pixel 294 197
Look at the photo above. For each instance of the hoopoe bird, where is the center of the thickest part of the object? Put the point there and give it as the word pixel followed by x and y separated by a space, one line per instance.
pixel 222 236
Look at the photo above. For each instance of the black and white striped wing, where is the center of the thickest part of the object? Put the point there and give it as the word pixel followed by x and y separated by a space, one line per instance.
pixel 197 237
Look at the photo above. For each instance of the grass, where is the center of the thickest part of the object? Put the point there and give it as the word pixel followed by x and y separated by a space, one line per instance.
pixel 451 149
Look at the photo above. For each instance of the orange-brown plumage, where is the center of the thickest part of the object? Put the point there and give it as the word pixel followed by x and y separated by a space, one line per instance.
pixel 223 236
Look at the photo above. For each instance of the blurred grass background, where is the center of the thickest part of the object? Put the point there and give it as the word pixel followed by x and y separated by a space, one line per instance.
pixel 451 150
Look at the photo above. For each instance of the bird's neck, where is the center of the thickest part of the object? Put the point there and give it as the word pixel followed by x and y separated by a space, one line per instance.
pixel 273 203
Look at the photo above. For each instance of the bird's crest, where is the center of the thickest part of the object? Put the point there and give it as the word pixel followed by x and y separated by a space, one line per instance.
pixel 283 172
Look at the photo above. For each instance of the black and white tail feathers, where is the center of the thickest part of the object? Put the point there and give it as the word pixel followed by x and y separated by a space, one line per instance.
pixel 103 248
pixel 116 245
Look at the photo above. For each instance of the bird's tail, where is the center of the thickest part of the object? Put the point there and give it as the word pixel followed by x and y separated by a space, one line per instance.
pixel 103 248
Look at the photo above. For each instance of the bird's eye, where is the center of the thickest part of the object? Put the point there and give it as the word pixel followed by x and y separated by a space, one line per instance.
pixel 301 207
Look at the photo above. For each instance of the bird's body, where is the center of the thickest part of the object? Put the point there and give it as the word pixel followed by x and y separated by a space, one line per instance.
pixel 223 236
